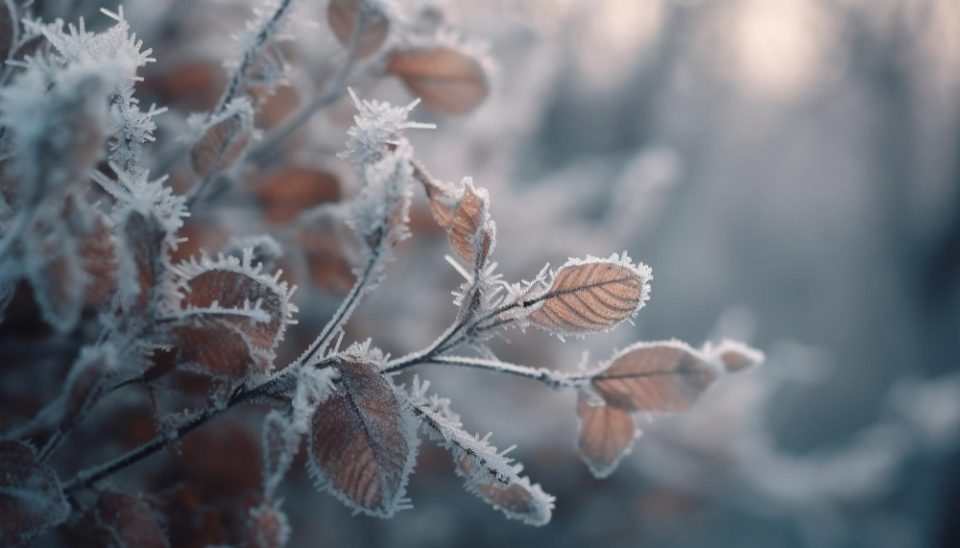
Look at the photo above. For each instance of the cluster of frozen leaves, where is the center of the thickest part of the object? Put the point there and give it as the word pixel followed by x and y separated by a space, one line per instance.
pixel 105 251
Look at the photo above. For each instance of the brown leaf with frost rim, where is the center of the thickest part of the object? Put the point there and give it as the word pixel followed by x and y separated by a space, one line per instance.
pixel 606 435
pixel 122 519
pixel 447 81
pixel 591 296
pixel 342 16
pixel 520 500
pixel 31 499
pixel 230 345
pixel 662 377
pixel 466 217
pixel 221 144
pixel 363 442
pixel 142 236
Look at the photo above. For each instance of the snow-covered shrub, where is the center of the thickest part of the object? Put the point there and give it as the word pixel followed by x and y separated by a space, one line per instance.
pixel 107 217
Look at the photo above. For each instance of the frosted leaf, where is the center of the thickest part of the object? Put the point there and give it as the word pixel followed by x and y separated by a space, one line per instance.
pixel 591 295
pixel 140 264
pixel 136 191
pixel 464 213
pixel 487 472
pixel 377 128
pixel 328 245
pixel 287 193
pixel 363 442
pixel 31 500
pixel 222 138
pixel 447 80
pixel 268 527
pixel 379 215
pixel 122 520
pixel 342 16
pixel 99 258
pixel 606 435
pixel 82 387
pixel 8 28
pixel 662 377
pixel 55 271
pixel 281 441
pixel 233 316
pixel 519 500
pixel 735 356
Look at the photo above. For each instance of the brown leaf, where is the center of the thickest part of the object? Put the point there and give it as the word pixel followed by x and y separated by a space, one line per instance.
pixel 520 500
pixel 269 527
pixel 8 28
pixel 448 81
pixel 142 237
pixel 464 215
pixel 607 434
pixel 362 443
pixel 231 345
pixel 342 16
pixel 31 500
pixel 222 143
pixel 287 193
pixel 657 377
pixel 99 259
pixel 735 356
pixel 591 296
pixel 121 520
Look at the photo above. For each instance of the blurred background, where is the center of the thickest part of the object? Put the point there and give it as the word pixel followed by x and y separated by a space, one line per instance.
pixel 790 169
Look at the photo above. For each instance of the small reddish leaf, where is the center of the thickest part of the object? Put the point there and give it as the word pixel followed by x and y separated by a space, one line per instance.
pixel 222 142
pixel 735 356
pixel 121 520
pixel 607 434
pixel 342 16
pixel 31 500
pixel 56 274
pixel 281 442
pixel 362 442
pixel 269 527
pixel 287 193
pixel 448 81
pixel 464 214
pixel 520 500
pixel 591 296
pixel 658 377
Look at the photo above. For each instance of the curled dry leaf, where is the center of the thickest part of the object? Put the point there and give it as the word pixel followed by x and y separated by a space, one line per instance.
pixel 242 317
pixel 269 527
pixel 8 28
pixel 448 81
pixel 660 377
pixel 735 356
pixel 342 16
pixel 519 500
pixel 465 215
pixel 31 500
pixel 287 193
pixel 591 296
pixel 121 519
pixel 223 141
pixel 607 434
pixel 363 442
